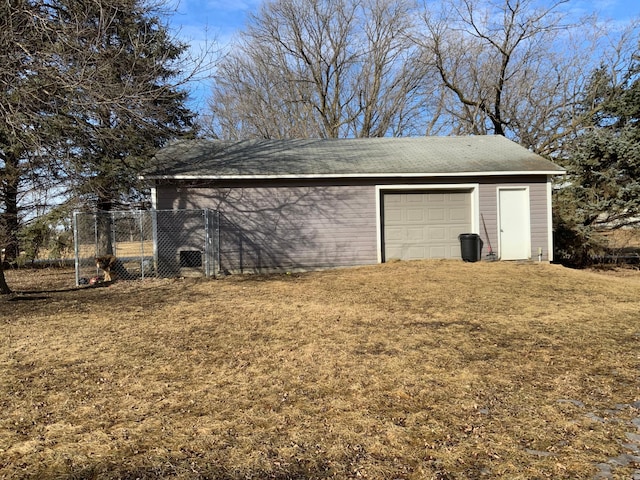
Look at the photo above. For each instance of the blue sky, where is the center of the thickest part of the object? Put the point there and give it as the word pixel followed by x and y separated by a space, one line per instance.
pixel 198 20
pixel 216 21
pixel 225 17
pixel 207 24
pixel 614 9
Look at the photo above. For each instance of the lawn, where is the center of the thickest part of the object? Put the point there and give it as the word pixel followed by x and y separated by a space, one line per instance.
pixel 406 370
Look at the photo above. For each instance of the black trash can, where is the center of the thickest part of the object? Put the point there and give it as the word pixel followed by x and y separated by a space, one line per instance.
pixel 470 247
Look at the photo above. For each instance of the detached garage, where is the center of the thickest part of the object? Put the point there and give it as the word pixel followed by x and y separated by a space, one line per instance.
pixel 309 204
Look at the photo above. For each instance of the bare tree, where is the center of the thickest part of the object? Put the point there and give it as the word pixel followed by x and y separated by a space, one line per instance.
pixel 320 68
pixel 512 67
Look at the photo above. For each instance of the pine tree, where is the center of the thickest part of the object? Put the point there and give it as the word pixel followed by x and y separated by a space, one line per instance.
pixel 88 90
pixel 127 105
pixel 602 189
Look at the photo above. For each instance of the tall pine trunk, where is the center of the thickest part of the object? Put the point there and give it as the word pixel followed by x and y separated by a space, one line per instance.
pixel 104 224
pixel 4 288
pixel 9 218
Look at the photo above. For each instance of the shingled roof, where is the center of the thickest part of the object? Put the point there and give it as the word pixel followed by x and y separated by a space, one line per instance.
pixel 366 157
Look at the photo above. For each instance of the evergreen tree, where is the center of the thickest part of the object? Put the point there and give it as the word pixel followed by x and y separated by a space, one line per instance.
pixel 602 189
pixel 28 93
pixel 88 90
pixel 128 106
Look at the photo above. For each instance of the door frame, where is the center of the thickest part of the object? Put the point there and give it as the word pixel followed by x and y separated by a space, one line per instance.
pixel 473 188
pixel 526 211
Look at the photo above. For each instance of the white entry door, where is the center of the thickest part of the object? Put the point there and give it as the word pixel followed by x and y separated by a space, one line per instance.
pixel 515 223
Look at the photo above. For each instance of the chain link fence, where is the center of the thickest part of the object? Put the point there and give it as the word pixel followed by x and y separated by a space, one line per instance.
pixel 148 243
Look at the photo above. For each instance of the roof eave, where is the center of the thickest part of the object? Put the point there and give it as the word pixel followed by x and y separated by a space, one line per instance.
pixel 352 175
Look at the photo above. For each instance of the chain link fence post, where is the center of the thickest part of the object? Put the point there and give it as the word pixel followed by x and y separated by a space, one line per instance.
pixel 76 247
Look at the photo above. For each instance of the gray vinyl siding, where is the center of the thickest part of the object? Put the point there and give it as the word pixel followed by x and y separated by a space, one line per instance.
pixel 539 231
pixel 311 224
pixel 488 198
pixel 287 227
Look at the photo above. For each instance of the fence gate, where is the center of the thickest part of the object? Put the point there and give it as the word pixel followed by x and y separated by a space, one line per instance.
pixel 149 243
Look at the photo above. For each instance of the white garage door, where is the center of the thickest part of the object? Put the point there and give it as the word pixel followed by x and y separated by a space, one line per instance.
pixel 425 224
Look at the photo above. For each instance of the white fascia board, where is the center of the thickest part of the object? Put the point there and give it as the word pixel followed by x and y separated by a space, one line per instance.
pixel 154 198
pixel 549 219
pixel 350 175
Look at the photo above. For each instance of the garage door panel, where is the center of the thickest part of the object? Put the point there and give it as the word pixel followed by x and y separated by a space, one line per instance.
pixel 426 224
pixel 393 216
pixel 415 253
pixel 459 214
pixel 415 234
pixel 458 198
pixel 392 200
pixel 437 214
pixel 415 198
pixel 416 215
pixel 436 233
pixel 437 252
pixel 393 252
pixel 394 234
pixel 456 231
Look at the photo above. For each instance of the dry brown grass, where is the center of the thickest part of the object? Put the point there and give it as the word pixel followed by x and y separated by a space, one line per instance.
pixel 409 370
pixel 622 239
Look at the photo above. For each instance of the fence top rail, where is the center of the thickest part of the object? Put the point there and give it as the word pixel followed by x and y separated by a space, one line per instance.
pixel 151 210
